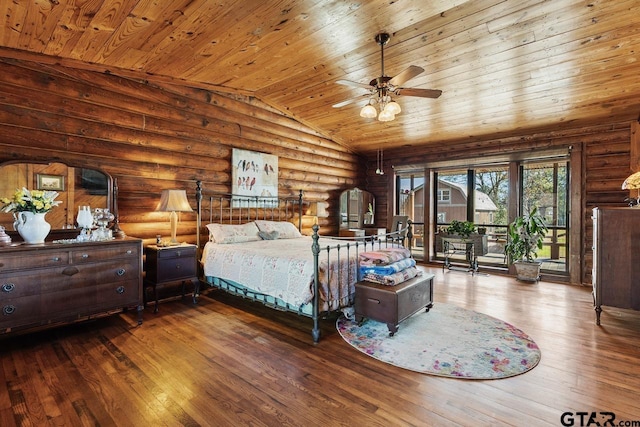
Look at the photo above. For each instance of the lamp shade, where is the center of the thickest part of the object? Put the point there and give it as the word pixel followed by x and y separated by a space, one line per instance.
pixel 386 116
pixel 174 201
pixel 368 111
pixel 632 182
pixel 393 107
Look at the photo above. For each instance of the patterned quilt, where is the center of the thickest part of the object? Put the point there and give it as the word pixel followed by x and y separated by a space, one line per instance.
pixel 393 278
pixel 384 256
pixel 283 268
pixel 386 269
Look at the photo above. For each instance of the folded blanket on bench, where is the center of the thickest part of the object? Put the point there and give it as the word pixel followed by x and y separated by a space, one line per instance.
pixel 393 279
pixel 388 269
pixel 384 256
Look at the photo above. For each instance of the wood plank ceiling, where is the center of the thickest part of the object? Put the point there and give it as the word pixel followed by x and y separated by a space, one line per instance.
pixel 506 67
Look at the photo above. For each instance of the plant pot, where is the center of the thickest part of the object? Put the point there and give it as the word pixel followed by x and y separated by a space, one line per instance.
pixel 527 271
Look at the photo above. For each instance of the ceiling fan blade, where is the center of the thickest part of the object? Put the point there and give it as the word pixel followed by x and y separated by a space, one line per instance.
pixel 347 102
pixel 354 84
pixel 406 75
pixel 423 93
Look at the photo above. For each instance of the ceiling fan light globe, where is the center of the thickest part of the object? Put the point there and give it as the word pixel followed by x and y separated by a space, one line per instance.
pixel 368 112
pixel 393 107
pixel 386 116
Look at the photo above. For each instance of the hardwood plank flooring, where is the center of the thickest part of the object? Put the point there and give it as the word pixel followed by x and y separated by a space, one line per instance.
pixel 229 362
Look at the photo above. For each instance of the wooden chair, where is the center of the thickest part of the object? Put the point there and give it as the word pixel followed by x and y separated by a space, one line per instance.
pixel 399 222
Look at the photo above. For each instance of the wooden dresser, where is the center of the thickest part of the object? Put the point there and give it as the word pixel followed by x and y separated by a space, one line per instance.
pixel 616 258
pixel 56 283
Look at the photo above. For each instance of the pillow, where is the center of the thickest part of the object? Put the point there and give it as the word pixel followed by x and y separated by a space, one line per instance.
pixel 232 233
pixel 285 229
pixel 273 235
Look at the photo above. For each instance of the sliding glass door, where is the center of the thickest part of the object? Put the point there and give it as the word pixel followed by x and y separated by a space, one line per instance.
pixel 545 187
pixel 481 194
pixel 410 196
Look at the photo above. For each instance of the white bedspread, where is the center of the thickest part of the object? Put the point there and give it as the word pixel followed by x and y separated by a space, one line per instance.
pixel 284 269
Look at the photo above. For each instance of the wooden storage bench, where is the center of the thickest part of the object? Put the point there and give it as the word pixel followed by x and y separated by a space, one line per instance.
pixel 393 304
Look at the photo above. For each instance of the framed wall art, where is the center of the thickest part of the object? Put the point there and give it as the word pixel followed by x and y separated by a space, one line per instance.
pixel 254 174
pixel 50 182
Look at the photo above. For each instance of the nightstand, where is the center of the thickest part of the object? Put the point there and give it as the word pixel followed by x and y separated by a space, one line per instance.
pixel 164 265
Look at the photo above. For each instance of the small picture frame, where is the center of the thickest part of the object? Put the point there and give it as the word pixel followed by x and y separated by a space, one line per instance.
pixel 50 182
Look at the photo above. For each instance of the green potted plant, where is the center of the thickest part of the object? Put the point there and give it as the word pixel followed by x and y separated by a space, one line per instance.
pixel 461 228
pixel 526 236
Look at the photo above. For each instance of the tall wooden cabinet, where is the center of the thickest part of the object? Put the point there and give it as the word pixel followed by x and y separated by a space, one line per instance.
pixel 56 283
pixel 616 258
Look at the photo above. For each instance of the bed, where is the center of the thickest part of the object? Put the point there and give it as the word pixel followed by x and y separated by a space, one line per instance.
pixel 252 247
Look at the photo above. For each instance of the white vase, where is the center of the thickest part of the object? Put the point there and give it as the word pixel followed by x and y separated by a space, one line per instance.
pixel 32 227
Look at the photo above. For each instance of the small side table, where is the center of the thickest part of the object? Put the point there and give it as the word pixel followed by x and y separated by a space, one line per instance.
pixel 169 264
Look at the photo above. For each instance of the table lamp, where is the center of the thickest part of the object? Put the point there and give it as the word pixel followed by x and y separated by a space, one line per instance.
pixel 174 201
pixel 312 212
pixel 633 183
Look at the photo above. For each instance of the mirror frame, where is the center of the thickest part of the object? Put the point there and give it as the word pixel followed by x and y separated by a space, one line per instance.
pixel 361 208
pixel 61 233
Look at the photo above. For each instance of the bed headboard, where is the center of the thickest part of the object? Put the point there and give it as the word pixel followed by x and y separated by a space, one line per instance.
pixel 226 208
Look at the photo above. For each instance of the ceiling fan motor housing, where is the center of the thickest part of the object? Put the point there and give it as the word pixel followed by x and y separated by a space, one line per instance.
pixel 382 38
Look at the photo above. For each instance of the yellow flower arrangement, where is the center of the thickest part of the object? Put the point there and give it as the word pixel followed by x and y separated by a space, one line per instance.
pixel 35 201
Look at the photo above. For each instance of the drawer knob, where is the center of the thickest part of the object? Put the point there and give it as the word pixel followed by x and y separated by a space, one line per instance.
pixel 55 259
pixel 121 272
pixel 129 252
pixel 178 253
pixel 8 309
pixel 85 256
pixel 8 287
pixel 120 290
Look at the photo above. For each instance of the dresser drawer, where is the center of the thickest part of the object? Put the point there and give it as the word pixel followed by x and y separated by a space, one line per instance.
pixel 109 272
pixel 16 312
pixel 178 268
pixel 58 279
pixel 121 294
pixel 102 254
pixel 39 259
pixel 83 301
pixel 178 252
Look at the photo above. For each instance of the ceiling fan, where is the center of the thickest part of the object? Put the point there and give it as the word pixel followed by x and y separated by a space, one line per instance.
pixel 381 88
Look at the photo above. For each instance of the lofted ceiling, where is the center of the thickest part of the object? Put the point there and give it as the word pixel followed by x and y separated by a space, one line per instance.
pixel 505 67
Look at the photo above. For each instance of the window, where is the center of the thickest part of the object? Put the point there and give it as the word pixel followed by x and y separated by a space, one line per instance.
pixel 479 192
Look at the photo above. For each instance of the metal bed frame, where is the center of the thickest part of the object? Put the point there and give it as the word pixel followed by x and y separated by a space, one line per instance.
pixel 238 209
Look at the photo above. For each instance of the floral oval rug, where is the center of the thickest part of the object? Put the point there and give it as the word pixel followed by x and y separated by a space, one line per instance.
pixel 447 341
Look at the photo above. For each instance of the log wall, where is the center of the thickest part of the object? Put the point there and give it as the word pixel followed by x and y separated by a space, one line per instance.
pixel 153 137
pixel 605 157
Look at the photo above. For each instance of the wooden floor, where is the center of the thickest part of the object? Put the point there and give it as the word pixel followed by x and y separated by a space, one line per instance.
pixel 226 362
